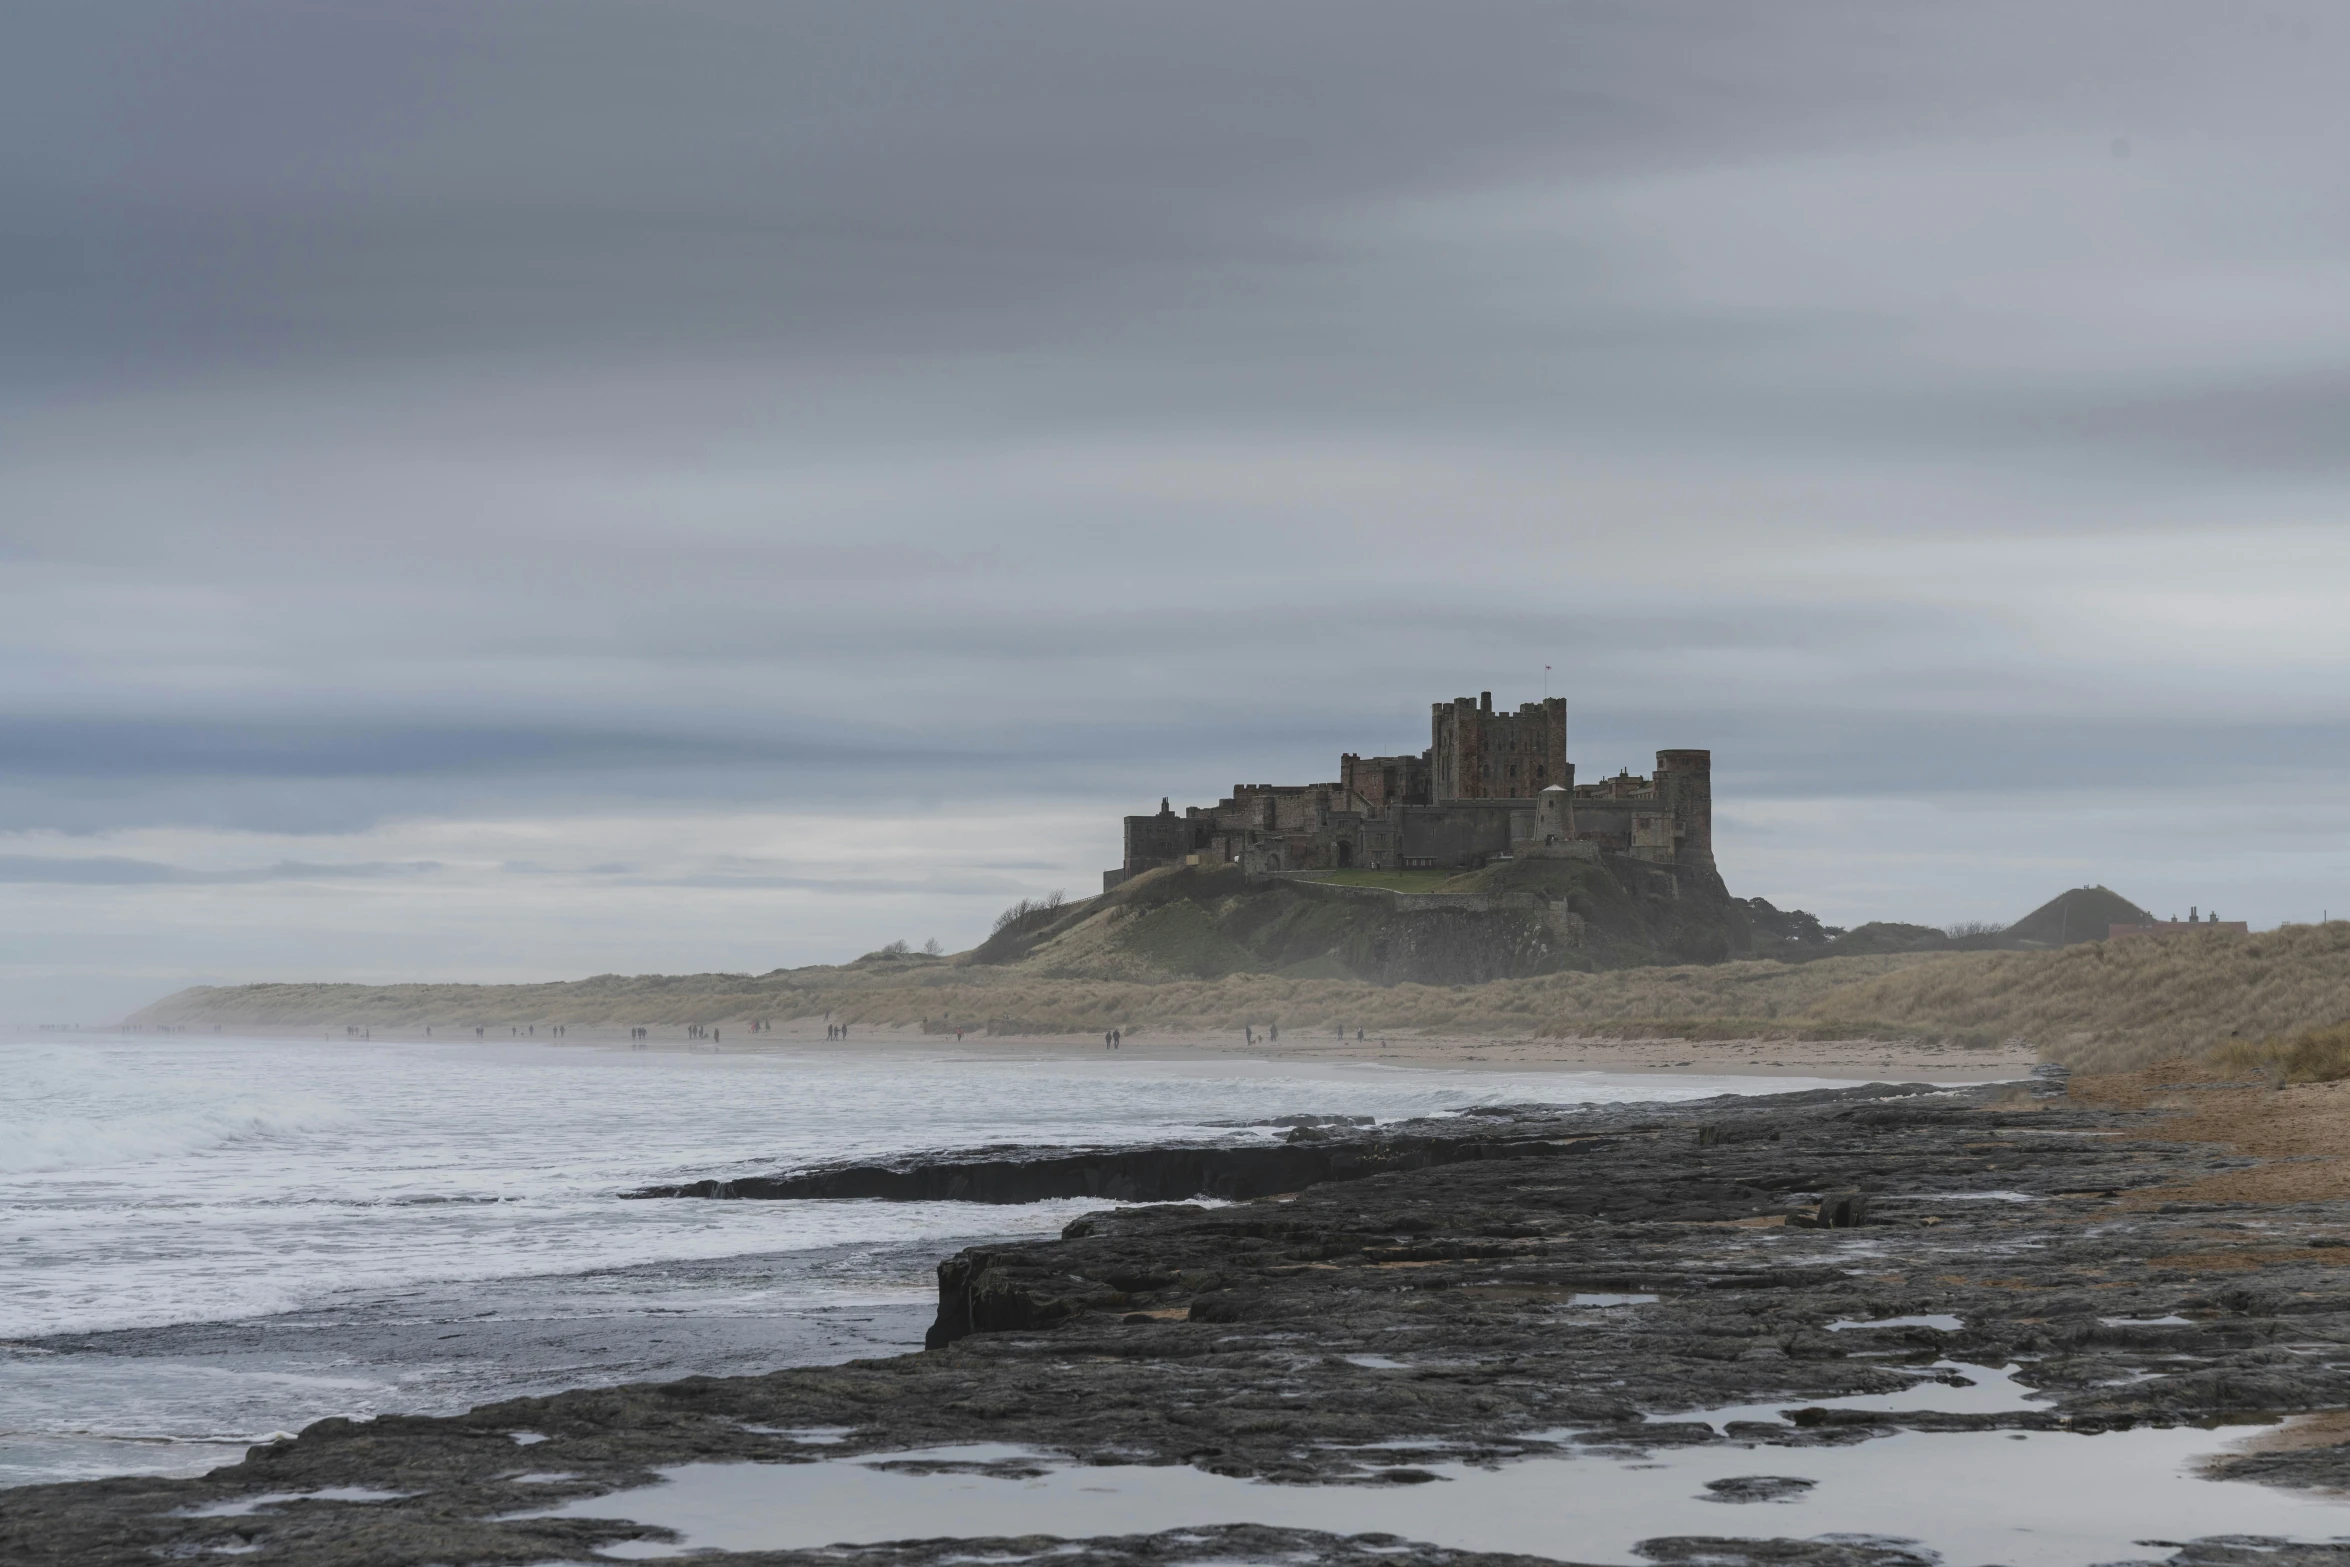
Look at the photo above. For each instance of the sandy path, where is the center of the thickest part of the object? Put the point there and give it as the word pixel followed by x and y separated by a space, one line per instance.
pixel 2298 1132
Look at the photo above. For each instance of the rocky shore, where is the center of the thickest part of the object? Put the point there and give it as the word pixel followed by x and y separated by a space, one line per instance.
pixel 1482 1289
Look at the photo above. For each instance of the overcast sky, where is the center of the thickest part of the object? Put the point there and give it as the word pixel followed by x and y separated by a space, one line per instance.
pixel 522 490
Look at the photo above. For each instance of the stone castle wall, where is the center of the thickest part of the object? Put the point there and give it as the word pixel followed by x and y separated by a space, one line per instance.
pixel 1490 785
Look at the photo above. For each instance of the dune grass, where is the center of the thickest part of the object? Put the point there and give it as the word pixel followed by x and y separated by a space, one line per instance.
pixel 2118 1005
pixel 2312 1055
pixel 1723 1000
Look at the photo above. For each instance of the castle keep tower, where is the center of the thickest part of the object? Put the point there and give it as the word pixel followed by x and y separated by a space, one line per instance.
pixel 1475 753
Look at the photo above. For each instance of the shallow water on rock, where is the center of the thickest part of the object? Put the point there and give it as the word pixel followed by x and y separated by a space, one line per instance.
pixel 2036 1499
pixel 1941 1322
pixel 1950 1389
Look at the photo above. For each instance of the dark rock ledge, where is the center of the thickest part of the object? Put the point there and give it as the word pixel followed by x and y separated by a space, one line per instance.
pixel 1221 1336
pixel 1170 1174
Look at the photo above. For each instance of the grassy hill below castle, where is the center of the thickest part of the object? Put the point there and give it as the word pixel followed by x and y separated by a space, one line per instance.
pixel 1512 920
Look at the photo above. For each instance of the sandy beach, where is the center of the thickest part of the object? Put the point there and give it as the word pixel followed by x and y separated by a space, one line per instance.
pixel 1866 1060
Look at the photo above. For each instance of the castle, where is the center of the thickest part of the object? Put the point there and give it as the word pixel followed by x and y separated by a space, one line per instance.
pixel 1490 786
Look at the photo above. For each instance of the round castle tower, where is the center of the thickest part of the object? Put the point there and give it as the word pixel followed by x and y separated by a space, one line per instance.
pixel 1685 782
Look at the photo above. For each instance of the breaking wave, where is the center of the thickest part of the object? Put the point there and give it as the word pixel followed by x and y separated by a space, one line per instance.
pixel 80 1111
pixel 84 1141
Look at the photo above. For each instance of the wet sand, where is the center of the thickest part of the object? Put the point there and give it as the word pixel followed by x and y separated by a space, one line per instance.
pixel 2297 1132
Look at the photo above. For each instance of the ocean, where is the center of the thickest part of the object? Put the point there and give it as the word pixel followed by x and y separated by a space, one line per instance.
pixel 208 1241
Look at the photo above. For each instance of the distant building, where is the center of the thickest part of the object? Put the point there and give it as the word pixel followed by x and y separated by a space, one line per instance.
pixel 2195 921
pixel 1489 786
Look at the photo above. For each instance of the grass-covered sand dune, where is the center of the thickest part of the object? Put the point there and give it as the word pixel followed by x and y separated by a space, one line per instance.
pixel 2101 1005
pixel 2116 1005
pixel 912 990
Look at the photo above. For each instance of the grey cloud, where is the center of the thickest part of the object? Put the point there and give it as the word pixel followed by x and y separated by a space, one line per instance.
pixel 2284 425
pixel 305 180
pixel 91 870
pixel 936 886
pixel 328 749
pixel 118 871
